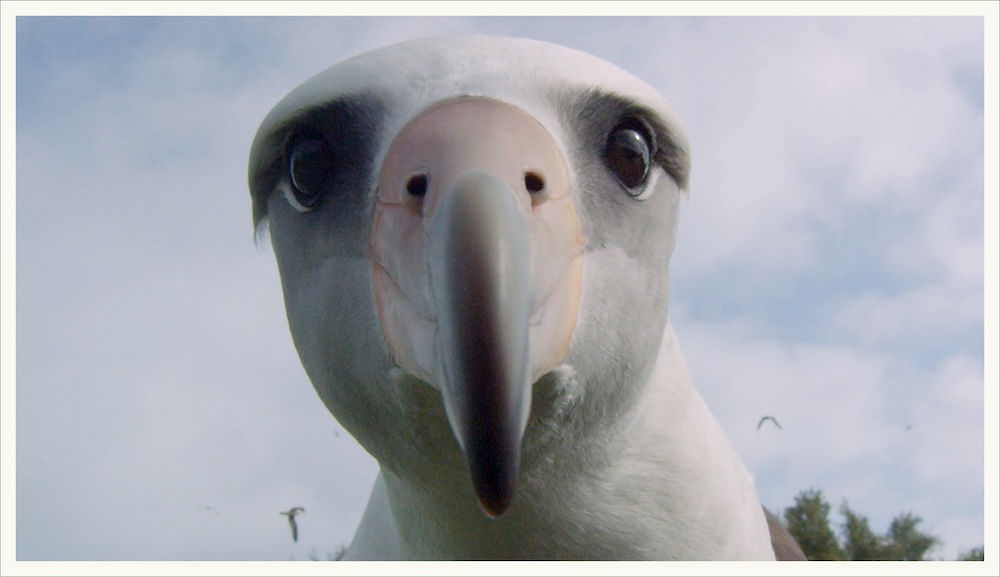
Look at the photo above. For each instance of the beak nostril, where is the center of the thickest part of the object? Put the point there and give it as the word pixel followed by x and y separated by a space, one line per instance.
pixel 417 185
pixel 534 182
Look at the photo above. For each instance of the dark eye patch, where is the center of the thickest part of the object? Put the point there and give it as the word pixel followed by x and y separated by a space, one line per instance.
pixel 323 154
pixel 310 166
pixel 601 122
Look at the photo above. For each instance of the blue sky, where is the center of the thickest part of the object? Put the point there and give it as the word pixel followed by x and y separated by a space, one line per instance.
pixel 829 271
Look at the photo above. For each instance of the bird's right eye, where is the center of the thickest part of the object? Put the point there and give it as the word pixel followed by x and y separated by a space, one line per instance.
pixel 310 164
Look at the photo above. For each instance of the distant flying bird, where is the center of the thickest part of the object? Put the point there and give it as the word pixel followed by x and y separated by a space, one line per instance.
pixel 473 236
pixel 768 418
pixel 209 508
pixel 291 513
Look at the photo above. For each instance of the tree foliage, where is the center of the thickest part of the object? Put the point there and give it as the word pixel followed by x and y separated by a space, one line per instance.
pixel 974 554
pixel 905 541
pixel 808 521
pixel 860 542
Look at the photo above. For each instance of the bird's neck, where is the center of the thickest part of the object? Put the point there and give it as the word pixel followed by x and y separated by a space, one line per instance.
pixel 666 486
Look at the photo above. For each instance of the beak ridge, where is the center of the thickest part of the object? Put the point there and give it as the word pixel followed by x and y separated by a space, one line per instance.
pixel 481 277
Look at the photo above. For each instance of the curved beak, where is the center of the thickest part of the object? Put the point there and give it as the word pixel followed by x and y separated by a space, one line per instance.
pixel 481 277
pixel 477 272
pixel 481 274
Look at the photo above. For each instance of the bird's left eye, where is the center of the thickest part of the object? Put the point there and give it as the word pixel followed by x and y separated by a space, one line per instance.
pixel 310 164
pixel 627 153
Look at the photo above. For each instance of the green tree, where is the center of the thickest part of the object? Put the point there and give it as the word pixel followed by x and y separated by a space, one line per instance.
pixel 860 542
pixel 905 542
pixel 808 521
pixel 974 554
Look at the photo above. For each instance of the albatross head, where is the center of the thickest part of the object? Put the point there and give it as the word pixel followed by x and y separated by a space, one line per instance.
pixel 473 236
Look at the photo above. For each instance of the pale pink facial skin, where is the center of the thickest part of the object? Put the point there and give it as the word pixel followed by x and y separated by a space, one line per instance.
pixel 443 143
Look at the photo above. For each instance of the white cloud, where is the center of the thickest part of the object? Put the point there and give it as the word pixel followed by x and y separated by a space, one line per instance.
pixel 942 256
pixel 948 423
pixel 934 313
pixel 830 400
pixel 796 129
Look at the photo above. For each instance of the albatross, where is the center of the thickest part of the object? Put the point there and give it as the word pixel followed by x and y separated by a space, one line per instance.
pixel 766 418
pixel 291 513
pixel 473 236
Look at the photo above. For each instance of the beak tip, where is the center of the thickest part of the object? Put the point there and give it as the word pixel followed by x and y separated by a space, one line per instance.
pixel 494 482
pixel 495 505
pixel 492 511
